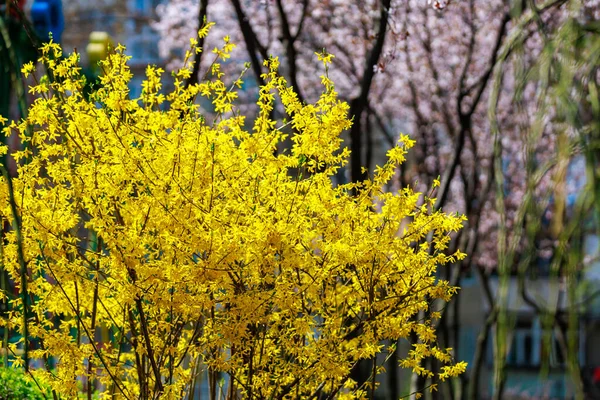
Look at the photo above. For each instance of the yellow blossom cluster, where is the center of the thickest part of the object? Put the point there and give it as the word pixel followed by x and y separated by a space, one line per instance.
pixel 154 241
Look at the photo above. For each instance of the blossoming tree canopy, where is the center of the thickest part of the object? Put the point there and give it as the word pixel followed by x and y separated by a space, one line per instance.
pixel 192 243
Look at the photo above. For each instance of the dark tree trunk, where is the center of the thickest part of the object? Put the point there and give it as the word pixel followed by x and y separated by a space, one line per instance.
pixel 359 104
pixel 198 57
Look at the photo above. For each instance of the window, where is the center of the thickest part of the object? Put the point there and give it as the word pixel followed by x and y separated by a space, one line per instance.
pixel 143 7
pixel 142 46
pixel 527 348
pixel 525 345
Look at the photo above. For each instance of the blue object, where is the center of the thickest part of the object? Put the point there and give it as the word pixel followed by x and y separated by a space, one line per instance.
pixel 47 17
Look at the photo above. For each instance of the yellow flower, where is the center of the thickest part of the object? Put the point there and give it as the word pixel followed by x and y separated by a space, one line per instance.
pixel 325 57
pixel 27 69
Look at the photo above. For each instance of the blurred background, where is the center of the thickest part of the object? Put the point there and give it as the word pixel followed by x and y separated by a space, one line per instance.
pixel 502 98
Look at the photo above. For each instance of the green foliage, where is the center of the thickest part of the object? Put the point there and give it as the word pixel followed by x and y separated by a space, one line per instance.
pixel 16 385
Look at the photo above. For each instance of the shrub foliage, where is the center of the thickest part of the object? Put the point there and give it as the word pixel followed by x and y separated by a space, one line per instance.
pixel 151 241
pixel 15 385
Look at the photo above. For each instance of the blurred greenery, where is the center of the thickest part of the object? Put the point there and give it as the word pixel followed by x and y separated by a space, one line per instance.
pixel 15 385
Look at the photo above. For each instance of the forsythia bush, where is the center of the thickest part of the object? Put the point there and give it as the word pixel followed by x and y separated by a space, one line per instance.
pixel 150 242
